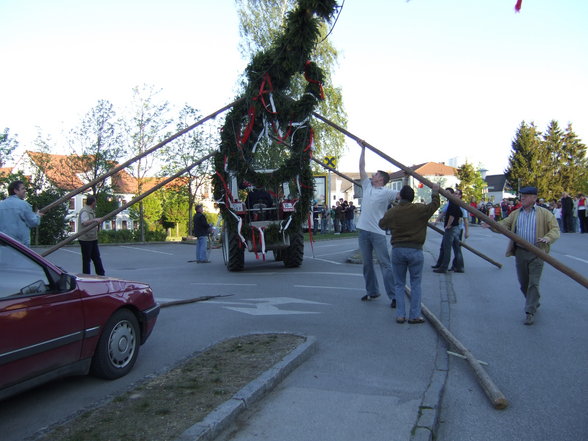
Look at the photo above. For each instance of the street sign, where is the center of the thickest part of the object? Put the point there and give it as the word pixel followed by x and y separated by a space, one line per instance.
pixel 330 161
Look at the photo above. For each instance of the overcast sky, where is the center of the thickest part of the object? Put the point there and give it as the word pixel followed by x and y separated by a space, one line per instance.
pixel 425 80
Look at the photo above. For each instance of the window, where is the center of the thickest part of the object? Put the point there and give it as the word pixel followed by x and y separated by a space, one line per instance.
pixel 20 275
pixel 72 204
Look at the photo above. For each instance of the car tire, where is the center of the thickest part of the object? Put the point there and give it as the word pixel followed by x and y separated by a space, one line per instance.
pixel 118 346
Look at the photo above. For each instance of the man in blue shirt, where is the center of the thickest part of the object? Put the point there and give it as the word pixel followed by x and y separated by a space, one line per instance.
pixel 17 216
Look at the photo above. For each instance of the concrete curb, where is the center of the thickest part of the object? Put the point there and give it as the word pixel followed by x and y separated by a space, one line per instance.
pixel 225 414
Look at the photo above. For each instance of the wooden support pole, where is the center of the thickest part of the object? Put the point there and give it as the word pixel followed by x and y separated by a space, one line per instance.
pixel 433 227
pixel 496 397
pixel 124 165
pixel 495 225
pixel 125 206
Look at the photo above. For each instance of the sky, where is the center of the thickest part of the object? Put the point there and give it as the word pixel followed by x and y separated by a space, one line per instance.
pixel 423 80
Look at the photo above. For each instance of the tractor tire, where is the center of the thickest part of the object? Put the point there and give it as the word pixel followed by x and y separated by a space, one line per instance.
pixel 233 251
pixel 294 254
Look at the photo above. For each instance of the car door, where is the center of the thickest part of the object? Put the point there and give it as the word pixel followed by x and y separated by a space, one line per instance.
pixel 41 327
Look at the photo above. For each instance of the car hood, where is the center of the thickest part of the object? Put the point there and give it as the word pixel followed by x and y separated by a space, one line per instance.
pixel 110 284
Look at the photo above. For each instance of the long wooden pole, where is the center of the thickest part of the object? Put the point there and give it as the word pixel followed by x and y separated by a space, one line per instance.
pixel 495 225
pixel 430 225
pixel 127 205
pixel 497 398
pixel 124 165
pixel 469 248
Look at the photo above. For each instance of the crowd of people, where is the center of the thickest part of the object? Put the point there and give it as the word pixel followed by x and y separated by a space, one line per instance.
pixel 386 210
pixel 570 211
pixel 340 218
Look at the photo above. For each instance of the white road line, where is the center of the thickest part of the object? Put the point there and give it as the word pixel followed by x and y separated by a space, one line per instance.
pixel 576 258
pixel 324 260
pixel 69 251
pixel 328 287
pixel 145 249
pixel 327 273
pixel 339 252
pixel 224 284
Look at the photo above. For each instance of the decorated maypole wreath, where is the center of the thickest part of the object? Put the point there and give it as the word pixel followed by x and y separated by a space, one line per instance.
pixel 267 119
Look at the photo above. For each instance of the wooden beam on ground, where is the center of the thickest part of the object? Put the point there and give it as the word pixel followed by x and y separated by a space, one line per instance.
pixel 433 227
pixel 127 205
pixel 494 394
pixel 495 225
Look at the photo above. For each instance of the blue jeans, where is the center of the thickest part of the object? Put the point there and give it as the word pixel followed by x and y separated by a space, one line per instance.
pixel 201 243
pixel 368 243
pixel 450 237
pixel 410 259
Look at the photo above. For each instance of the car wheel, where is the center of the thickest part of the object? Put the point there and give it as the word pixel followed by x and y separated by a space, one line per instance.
pixel 118 346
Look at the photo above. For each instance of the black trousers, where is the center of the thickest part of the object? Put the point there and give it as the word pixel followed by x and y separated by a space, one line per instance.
pixel 90 252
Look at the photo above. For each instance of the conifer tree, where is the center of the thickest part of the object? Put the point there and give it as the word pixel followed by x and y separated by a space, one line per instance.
pixel 471 182
pixel 528 159
pixel 574 165
pixel 553 146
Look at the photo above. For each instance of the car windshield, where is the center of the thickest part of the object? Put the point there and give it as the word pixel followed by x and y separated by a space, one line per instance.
pixel 19 274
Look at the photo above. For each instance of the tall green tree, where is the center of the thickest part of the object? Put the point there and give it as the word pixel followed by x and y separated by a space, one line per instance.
pixel 574 164
pixel 176 212
pixel 151 210
pixel 471 183
pixel 147 124
pixel 7 145
pixel 97 144
pixel 185 151
pixel 528 159
pixel 260 23
pixel 54 225
pixel 552 144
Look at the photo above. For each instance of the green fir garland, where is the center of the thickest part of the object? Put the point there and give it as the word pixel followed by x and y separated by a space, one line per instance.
pixel 244 124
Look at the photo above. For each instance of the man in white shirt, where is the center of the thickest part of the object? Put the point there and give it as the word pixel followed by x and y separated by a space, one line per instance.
pixel 375 201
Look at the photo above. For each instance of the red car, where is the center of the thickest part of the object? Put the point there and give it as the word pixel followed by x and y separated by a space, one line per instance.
pixel 54 324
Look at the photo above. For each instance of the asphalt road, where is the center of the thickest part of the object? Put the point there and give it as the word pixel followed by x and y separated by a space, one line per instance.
pixel 542 370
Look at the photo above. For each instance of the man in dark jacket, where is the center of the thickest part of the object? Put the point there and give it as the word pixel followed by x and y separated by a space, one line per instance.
pixel 567 212
pixel 450 235
pixel 201 230
pixel 408 224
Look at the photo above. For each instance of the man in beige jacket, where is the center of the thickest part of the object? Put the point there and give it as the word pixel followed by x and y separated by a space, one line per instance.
pixel 538 226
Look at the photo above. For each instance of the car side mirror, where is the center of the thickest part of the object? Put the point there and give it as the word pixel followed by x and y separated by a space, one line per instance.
pixel 66 282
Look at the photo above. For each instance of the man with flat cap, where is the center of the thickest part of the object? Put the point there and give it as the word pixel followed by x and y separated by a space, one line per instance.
pixel 538 226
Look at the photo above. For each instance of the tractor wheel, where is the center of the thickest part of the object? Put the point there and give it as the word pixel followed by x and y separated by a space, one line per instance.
pixel 294 254
pixel 233 251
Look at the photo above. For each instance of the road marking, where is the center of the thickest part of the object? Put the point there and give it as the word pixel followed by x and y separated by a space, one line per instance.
pixel 224 284
pixel 325 260
pixel 576 258
pixel 328 287
pixel 338 252
pixel 69 251
pixel 328 273
pixel 268 306
pixel 148 250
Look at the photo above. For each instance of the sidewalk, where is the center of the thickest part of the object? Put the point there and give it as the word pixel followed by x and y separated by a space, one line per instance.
pixel 378 383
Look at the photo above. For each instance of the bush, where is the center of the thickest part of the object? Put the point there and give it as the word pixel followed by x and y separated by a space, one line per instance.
pixel 126 236
pixel 118 236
